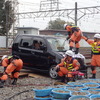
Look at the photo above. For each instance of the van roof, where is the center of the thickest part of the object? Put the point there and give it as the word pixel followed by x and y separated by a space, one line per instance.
pixel 40 35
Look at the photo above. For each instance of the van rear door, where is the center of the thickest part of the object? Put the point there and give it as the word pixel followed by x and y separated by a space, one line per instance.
pixel 24 50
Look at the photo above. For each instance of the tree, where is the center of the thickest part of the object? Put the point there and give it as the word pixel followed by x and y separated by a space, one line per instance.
pixel 6 16
pixel 57 24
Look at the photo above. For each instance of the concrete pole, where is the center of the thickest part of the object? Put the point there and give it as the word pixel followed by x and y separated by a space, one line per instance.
pixel 76 13
pixel 6 31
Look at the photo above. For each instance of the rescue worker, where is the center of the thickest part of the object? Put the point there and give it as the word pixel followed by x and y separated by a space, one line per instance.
pixel 74 34
pixel 6 61
pixel 67 66
pixel 95 44
pixel 14 68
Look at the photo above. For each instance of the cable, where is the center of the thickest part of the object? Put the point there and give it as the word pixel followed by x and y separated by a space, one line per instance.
pixel 18 94
pixel 25 90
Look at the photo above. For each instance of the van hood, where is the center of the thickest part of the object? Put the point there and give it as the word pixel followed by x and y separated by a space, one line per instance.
pixel 62 53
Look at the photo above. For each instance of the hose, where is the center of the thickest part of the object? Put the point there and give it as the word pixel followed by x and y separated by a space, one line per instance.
pixel 18 94
pixel 23 91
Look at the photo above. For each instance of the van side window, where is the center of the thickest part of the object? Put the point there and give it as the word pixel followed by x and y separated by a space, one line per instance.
pixel 38 44
pixel 26 43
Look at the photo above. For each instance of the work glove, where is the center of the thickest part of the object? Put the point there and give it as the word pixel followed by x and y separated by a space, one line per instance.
pixel 57 68
pixel 73 70
pixel 68 38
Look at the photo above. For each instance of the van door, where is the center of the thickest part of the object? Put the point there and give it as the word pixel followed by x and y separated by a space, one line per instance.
pixel 39 57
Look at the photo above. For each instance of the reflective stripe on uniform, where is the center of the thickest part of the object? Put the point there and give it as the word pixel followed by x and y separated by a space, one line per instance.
pixel 70 67
pixel 95 51
pixel 65 64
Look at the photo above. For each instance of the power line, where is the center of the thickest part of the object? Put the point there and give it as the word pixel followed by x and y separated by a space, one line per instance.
pixel 47 9
pixel 61 12
pixel 28 3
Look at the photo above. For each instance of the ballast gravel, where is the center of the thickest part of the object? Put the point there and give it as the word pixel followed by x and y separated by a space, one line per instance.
pixel 24 88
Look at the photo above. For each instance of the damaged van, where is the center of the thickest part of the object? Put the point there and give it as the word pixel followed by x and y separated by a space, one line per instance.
pixel 40 52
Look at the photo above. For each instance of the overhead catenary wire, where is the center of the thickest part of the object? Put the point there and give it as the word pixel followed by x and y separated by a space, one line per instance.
pixel 66 4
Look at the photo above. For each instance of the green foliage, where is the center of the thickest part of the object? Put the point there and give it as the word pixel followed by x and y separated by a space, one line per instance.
pixel 6 16
pixel 57 24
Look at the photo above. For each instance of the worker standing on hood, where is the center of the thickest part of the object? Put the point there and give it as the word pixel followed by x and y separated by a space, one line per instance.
pixel 67 66
pixel 74 34
pixel 14 68
pixel 95 44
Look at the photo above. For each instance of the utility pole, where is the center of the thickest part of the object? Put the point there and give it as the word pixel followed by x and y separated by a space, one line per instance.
pixel 6 31
pixel 7 24
pixel 46 10
pixel 76 13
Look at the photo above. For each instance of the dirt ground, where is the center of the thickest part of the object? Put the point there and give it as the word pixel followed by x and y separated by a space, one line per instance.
pixel 25 85
pixel 97 74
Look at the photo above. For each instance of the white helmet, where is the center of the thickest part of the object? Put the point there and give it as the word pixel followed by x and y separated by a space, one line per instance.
pixel 4 57
pixel 65 26
pixel 69 53
pixel 97 35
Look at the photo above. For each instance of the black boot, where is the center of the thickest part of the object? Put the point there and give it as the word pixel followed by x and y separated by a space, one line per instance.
pixel 77 50
pixel 70 48
pixel 2 83
pixel 93 76
pixel 14 81
pixel 63 79
pixel 70 79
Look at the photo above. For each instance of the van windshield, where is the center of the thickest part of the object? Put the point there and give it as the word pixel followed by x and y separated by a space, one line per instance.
pixel 58 44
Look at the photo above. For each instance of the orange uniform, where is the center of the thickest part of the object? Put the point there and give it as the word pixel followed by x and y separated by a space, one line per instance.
pixel 5 62
pixel 14 67
pixel 75 38
pixel 75 35
pixel 66 67
pixel 95 53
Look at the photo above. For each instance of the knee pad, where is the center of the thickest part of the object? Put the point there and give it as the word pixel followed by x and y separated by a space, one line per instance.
pixel 16 75
pixel 60 74
pixel 4 77
pixel 58 69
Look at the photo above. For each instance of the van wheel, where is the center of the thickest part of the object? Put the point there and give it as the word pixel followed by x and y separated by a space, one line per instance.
pixel 52 72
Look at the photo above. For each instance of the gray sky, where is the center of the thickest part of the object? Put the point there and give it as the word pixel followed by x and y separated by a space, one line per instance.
pixel 90 23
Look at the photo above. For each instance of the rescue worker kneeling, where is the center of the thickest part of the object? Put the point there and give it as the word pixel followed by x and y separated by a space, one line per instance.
pixel 14 68
pixel 6 61
pixel 67 66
